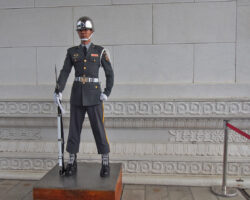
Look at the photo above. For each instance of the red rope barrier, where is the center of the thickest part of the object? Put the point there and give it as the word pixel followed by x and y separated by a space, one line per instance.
pixel 238 131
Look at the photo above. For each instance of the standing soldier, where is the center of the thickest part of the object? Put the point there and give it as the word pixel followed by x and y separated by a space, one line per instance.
pixel 86 94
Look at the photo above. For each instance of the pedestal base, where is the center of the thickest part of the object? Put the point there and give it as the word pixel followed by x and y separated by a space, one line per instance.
pixel 86 184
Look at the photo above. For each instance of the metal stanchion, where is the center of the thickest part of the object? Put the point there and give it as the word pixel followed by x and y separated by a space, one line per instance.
pixel 224 190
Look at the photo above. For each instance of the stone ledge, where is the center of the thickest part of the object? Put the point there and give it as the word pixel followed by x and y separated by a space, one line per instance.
pixel 126 122
pixel 175 91
pixel 188 180
pixel 134 150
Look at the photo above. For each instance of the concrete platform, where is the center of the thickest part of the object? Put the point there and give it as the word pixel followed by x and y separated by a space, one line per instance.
pixel 86 184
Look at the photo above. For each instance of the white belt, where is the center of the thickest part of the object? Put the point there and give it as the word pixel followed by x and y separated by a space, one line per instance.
pixel 87 79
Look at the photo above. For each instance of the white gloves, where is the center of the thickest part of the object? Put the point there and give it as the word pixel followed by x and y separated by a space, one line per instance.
pixel 103 97
pixel 57 97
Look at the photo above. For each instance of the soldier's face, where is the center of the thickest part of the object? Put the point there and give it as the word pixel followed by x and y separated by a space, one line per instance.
pixel 84 33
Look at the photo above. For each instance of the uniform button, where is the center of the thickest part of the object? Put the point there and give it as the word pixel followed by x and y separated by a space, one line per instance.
pixel 84 67
pixel 96 86
pixel 85 60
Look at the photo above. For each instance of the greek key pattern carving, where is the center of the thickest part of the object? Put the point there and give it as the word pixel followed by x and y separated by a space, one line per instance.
pixel 20 133
pixel 26 164
pixel 191 168
pixel 10 108
pixel 138 108
pixel 141 167
pixel 177 108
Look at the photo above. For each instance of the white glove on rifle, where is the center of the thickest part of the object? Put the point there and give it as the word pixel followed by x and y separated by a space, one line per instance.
pixel 103 97
pixel 57 97
pixel 57 100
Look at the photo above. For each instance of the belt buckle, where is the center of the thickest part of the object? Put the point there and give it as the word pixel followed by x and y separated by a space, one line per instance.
pixel 83 80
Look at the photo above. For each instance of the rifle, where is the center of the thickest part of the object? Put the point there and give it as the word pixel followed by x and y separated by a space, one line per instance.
pixel 60 133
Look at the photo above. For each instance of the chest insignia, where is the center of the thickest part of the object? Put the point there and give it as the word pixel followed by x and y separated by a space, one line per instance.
pixel 94 55
pixel 75 55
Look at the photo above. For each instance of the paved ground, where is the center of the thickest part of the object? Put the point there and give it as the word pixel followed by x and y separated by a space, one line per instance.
pixel 22 190
pixel 153 192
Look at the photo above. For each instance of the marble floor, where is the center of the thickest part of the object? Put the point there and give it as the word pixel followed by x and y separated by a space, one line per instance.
pixel 22 190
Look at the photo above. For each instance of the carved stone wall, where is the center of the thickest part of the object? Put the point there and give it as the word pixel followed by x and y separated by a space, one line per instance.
pixel 185 138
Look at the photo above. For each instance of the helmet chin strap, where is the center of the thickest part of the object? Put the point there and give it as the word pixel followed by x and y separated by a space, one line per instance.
pixel 87 39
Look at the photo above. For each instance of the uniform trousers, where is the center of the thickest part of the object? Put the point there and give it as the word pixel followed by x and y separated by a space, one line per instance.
pixel 96 118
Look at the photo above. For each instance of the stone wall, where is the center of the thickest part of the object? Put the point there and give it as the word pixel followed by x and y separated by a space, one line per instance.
pixel 181 67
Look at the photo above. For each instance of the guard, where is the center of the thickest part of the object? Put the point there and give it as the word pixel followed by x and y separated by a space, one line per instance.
pixel 86 94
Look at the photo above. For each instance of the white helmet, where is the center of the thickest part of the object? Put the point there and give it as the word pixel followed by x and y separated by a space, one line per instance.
pixel 84 23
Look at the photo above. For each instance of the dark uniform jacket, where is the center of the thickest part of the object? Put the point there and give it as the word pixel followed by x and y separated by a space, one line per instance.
pixel 88 93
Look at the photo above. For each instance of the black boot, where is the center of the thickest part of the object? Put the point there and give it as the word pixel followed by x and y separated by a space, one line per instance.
pixel 105 170
pixel 71 167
